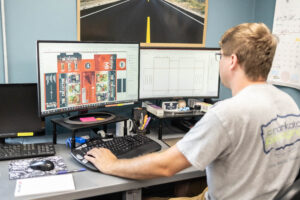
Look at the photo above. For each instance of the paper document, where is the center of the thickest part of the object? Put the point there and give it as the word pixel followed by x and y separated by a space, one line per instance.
pixel 46 184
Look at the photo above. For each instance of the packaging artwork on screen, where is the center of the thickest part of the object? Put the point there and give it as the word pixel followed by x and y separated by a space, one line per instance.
pixel 96 78
pixel 85 75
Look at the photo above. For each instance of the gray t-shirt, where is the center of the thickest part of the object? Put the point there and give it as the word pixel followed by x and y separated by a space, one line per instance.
pixel 248 144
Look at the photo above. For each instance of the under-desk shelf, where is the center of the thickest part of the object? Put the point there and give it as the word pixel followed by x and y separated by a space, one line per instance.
pixel 169 115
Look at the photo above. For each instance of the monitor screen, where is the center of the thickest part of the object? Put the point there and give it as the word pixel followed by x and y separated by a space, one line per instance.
pixel 178 72
pixel 19 109
pixel 84 75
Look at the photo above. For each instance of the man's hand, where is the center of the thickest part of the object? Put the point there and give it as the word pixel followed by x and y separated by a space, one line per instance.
pixel 158 164
pixel 102 159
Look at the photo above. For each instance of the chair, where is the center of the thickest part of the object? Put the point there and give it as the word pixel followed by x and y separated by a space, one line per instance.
pixel 292 193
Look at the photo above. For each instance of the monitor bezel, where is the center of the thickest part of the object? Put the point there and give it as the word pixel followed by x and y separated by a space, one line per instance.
pixel 180 97
pixel 58 112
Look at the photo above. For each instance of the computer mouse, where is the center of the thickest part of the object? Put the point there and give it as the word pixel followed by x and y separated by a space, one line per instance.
pixel 43 165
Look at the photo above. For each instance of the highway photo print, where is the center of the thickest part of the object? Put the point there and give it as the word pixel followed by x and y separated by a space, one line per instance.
pixel 160 22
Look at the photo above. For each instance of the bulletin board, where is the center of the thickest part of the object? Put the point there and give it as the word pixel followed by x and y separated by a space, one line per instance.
pixel 285 69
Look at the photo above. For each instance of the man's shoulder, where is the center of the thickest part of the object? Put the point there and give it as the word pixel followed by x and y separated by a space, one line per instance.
pixel 252 99
pixel 226 104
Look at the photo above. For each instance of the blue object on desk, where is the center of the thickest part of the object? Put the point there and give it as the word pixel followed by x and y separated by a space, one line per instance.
pixel 71 171
pixel 184 109
pixel 79 140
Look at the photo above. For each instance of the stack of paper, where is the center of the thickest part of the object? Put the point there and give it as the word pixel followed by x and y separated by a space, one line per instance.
pixel 46 184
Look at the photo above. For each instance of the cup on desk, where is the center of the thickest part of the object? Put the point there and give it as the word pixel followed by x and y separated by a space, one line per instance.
pixel 120 127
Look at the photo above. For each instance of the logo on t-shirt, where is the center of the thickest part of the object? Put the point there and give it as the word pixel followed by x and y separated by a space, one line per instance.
pixel 280 132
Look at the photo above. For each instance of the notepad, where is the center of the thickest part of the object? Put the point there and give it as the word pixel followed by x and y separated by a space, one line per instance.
pixel 46 184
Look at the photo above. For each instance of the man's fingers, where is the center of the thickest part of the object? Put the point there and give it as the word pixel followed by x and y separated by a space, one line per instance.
pixel 90 158
pixel 96 152
pixel 92 152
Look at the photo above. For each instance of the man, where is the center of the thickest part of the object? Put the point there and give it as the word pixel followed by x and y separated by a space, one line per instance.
pixel 248 144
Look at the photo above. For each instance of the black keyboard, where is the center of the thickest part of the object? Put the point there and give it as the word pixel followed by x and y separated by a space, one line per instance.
pixel 20 151
pixel 122 147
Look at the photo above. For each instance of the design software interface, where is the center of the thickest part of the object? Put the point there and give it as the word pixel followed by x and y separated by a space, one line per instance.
pixel 79 75
pixel 167 73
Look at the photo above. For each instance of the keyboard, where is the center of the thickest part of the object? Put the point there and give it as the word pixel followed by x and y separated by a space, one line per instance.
pixel 20 151
pixel 123 147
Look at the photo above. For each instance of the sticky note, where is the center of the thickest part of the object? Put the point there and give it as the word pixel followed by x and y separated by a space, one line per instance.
pixel 99 118
pixel 22 134
pixel 87 119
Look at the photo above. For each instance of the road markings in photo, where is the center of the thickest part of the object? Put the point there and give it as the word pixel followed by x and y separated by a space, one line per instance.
pixel 183 13
pixel 148 30
pixel 103 9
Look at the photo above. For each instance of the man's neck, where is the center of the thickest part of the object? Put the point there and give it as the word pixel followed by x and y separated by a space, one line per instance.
pixel 239 84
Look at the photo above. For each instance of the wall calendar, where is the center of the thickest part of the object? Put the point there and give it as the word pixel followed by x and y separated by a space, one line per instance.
pixel 285 69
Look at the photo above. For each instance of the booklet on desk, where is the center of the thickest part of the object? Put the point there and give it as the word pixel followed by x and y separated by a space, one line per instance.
pixel 43 185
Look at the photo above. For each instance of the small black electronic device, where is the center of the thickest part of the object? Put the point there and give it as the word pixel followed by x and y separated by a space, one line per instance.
pixel 123 147
pixel 43 165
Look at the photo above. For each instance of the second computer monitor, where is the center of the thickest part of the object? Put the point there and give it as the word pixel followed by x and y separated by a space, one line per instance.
pixel 178 72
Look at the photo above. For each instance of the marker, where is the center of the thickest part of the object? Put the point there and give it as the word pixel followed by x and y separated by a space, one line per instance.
pixel 70 171
pixel 147 122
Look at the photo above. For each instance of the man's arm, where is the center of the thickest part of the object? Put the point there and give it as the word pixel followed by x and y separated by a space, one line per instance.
pixel 165 163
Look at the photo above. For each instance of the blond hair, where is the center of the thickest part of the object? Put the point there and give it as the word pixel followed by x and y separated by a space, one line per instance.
pixel 254 46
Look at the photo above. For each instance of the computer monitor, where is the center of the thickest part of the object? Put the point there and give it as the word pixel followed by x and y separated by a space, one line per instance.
pixel 19 114
pixel 178 73
pixel 77 75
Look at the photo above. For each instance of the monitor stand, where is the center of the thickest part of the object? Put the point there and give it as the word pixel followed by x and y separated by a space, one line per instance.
pixel 74 128
pixel 90 118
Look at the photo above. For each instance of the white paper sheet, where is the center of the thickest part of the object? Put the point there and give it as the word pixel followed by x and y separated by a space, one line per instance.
pixel 46 184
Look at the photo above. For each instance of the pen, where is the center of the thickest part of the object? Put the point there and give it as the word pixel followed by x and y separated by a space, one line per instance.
pixel 147 122
pixel 70 171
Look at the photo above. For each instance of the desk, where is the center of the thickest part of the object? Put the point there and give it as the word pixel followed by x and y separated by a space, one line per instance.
pixel 90 183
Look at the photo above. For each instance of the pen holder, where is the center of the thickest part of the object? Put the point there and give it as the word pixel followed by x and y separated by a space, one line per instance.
pixel 142 132
pixel 138 114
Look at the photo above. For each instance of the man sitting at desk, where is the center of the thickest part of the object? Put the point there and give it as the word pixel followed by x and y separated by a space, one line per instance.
pixel 248 144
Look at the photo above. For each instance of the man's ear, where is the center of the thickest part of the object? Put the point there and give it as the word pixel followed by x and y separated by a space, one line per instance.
pixel 234 62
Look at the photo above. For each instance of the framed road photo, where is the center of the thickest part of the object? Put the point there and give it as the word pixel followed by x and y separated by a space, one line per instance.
pixel 180 23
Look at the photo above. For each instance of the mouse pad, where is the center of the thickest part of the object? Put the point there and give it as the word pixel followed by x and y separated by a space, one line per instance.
pixel 19 169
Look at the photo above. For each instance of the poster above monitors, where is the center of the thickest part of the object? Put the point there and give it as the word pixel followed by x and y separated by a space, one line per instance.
pixel 151 23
